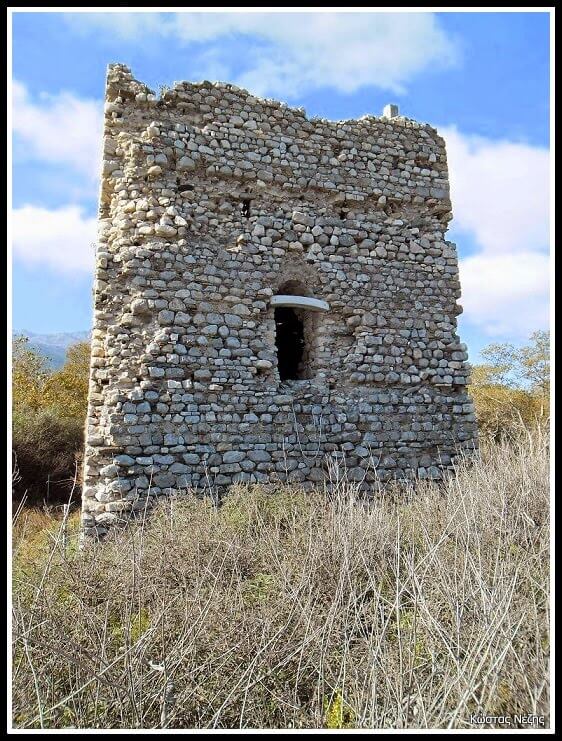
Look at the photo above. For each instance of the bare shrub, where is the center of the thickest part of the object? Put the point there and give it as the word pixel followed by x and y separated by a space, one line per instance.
pixel 288 609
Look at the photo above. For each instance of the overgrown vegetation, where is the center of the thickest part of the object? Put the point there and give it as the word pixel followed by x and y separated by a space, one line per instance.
pixel 48 414
pixel 288 609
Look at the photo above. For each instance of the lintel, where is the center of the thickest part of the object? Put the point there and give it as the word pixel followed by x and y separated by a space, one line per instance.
pixel 300 302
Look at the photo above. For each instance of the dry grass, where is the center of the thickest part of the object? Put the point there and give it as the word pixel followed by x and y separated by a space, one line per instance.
pixel 294 610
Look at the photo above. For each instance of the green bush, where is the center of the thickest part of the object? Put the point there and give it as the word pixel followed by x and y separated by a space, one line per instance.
pixel 47 450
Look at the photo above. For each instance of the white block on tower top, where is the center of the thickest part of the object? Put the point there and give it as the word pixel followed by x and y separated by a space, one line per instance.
pixel 390 110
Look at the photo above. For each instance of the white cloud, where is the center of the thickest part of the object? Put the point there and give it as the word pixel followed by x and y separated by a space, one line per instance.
pixel 62 239
pixel 500 191
pixel 500 196
pixel 292 53
pixel 506 294
pixel 59 129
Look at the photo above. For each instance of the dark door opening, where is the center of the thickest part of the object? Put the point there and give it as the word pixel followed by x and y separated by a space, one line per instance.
pixel 290 342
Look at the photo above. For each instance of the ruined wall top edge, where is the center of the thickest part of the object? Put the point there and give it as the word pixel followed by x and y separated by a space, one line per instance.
pixel 121 83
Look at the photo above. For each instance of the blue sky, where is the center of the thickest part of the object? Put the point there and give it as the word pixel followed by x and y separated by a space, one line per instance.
pixel 481 78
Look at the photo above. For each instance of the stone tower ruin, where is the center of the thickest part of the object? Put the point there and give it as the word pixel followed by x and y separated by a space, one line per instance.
pixel 273 294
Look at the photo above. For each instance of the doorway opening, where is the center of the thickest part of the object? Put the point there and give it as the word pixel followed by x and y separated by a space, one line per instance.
pixel 289 339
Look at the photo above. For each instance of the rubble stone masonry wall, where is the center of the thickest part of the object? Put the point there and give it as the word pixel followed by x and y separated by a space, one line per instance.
pixel 212 202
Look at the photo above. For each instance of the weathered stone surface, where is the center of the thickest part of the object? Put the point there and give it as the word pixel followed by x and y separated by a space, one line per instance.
pixel 186 163
pixel 213 202
pixel 233 456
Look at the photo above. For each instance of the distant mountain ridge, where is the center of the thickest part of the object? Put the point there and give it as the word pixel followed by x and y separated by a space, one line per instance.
pixel 55 345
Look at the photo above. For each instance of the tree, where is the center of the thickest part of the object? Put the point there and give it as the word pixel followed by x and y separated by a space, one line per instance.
pixel 535 363
pixel 30 371
pixel 521 367
pixel 513 385
pixel 66 390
